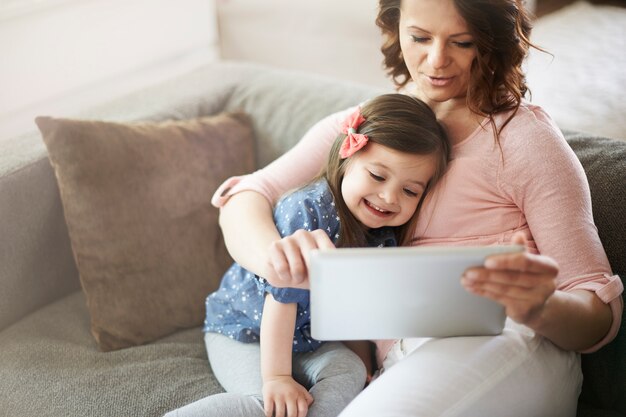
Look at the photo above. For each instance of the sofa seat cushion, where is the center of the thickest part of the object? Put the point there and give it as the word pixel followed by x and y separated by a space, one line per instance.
pixel 52 356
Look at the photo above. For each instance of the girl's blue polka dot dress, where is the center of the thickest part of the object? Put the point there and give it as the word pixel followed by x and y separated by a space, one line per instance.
pixel 236 308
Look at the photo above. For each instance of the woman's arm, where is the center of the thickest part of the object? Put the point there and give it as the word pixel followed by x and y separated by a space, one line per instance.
pixel 246 203
pixel 280 390
pixel 282 261
pixel 249 230
pixel 568 293
pixel 526 285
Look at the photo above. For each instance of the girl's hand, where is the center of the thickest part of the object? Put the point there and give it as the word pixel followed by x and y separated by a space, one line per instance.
pixel 288 255
pixel 522 282
pixel 284 397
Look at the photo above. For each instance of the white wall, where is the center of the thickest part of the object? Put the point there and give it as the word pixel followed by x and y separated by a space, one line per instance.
pixel 59 55
pixel 337 38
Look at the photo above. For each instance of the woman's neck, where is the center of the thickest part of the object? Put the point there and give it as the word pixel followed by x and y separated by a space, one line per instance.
pixel 458 120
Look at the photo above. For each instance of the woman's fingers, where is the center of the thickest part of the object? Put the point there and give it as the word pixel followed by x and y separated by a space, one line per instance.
pixel 522 262
pixel 288 256
pixel 521 282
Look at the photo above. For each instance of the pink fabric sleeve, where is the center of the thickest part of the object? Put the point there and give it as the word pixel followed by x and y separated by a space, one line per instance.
pixel 294 168
pixel 555 198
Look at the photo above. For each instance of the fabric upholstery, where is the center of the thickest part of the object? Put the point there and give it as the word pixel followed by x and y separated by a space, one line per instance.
pixel 604 161
pixel 51 366
pixel 36 263
pixel 136 199
pixel 283 105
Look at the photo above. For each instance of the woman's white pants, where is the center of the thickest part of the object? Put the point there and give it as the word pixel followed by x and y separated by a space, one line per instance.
pixel 516 374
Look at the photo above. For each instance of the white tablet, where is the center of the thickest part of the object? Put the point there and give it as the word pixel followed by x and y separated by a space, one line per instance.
pixel 391 293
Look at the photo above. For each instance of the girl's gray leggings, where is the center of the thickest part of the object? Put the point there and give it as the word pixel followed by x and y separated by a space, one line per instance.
pixel 333 374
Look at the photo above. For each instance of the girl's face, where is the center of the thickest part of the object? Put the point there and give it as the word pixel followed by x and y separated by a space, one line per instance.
pixel 437 48
pixel 382 186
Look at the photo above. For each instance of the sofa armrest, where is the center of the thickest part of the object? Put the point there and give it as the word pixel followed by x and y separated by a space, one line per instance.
pixel 36 263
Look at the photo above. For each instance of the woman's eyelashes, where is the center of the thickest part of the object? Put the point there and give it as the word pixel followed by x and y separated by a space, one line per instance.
pixel 465 45
pixel 419 39
pixel 460 44
pixel 410 193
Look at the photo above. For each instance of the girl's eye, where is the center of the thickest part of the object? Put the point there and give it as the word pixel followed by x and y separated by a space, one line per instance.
pixel 464 45
pixel 376 177
pixel 419 39
pixel 410 193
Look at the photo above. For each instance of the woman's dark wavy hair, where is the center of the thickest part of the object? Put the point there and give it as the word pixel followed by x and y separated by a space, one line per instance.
pixel 501 31
pixel 402 123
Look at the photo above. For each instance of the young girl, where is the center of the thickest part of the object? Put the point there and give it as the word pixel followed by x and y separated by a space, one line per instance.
pixel 390 152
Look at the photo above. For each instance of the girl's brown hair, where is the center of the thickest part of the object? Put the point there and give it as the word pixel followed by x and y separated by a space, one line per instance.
pixel 399 122
pixel 501 31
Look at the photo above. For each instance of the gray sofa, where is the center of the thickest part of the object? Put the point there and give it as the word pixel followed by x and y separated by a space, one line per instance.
pixel 50 364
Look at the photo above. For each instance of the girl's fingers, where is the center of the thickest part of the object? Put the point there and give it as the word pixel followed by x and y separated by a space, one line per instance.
pixel 269 408
pixel 291 407
pixel 279 409
pixel 303 407
pixel 308 397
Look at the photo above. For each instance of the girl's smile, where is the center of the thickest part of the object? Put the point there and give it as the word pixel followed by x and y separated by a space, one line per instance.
pixel 377 211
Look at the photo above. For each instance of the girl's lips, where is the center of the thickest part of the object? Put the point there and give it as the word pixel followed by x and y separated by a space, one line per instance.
pixel 377 210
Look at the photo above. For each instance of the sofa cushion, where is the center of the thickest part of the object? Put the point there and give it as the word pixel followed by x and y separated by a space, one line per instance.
pixel 136 199
pixel 604 161
pixel 283 105
pixel 50 365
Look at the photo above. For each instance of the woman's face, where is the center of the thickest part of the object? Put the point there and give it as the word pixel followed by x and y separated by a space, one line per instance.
pixel 437 48
pixel 382 186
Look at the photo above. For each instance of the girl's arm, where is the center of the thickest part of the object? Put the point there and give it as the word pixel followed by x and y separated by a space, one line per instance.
pixel 280 390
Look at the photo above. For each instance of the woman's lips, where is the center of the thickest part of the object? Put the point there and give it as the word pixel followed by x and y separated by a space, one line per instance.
pixel 439 81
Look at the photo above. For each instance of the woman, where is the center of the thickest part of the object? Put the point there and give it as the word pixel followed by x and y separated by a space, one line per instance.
pixel 512 177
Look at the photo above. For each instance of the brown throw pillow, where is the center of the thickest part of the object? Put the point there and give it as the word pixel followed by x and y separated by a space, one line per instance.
pixel 136 199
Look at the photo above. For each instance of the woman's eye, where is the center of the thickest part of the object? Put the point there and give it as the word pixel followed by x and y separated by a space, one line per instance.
pixel 464 45
pixel 419 39
pixel 410 193
pixel 376 177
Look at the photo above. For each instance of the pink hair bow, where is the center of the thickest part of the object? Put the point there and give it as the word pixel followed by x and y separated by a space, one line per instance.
pixel 353 141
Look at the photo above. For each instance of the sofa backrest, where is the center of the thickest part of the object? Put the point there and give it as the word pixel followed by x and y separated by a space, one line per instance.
pixel 604 161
